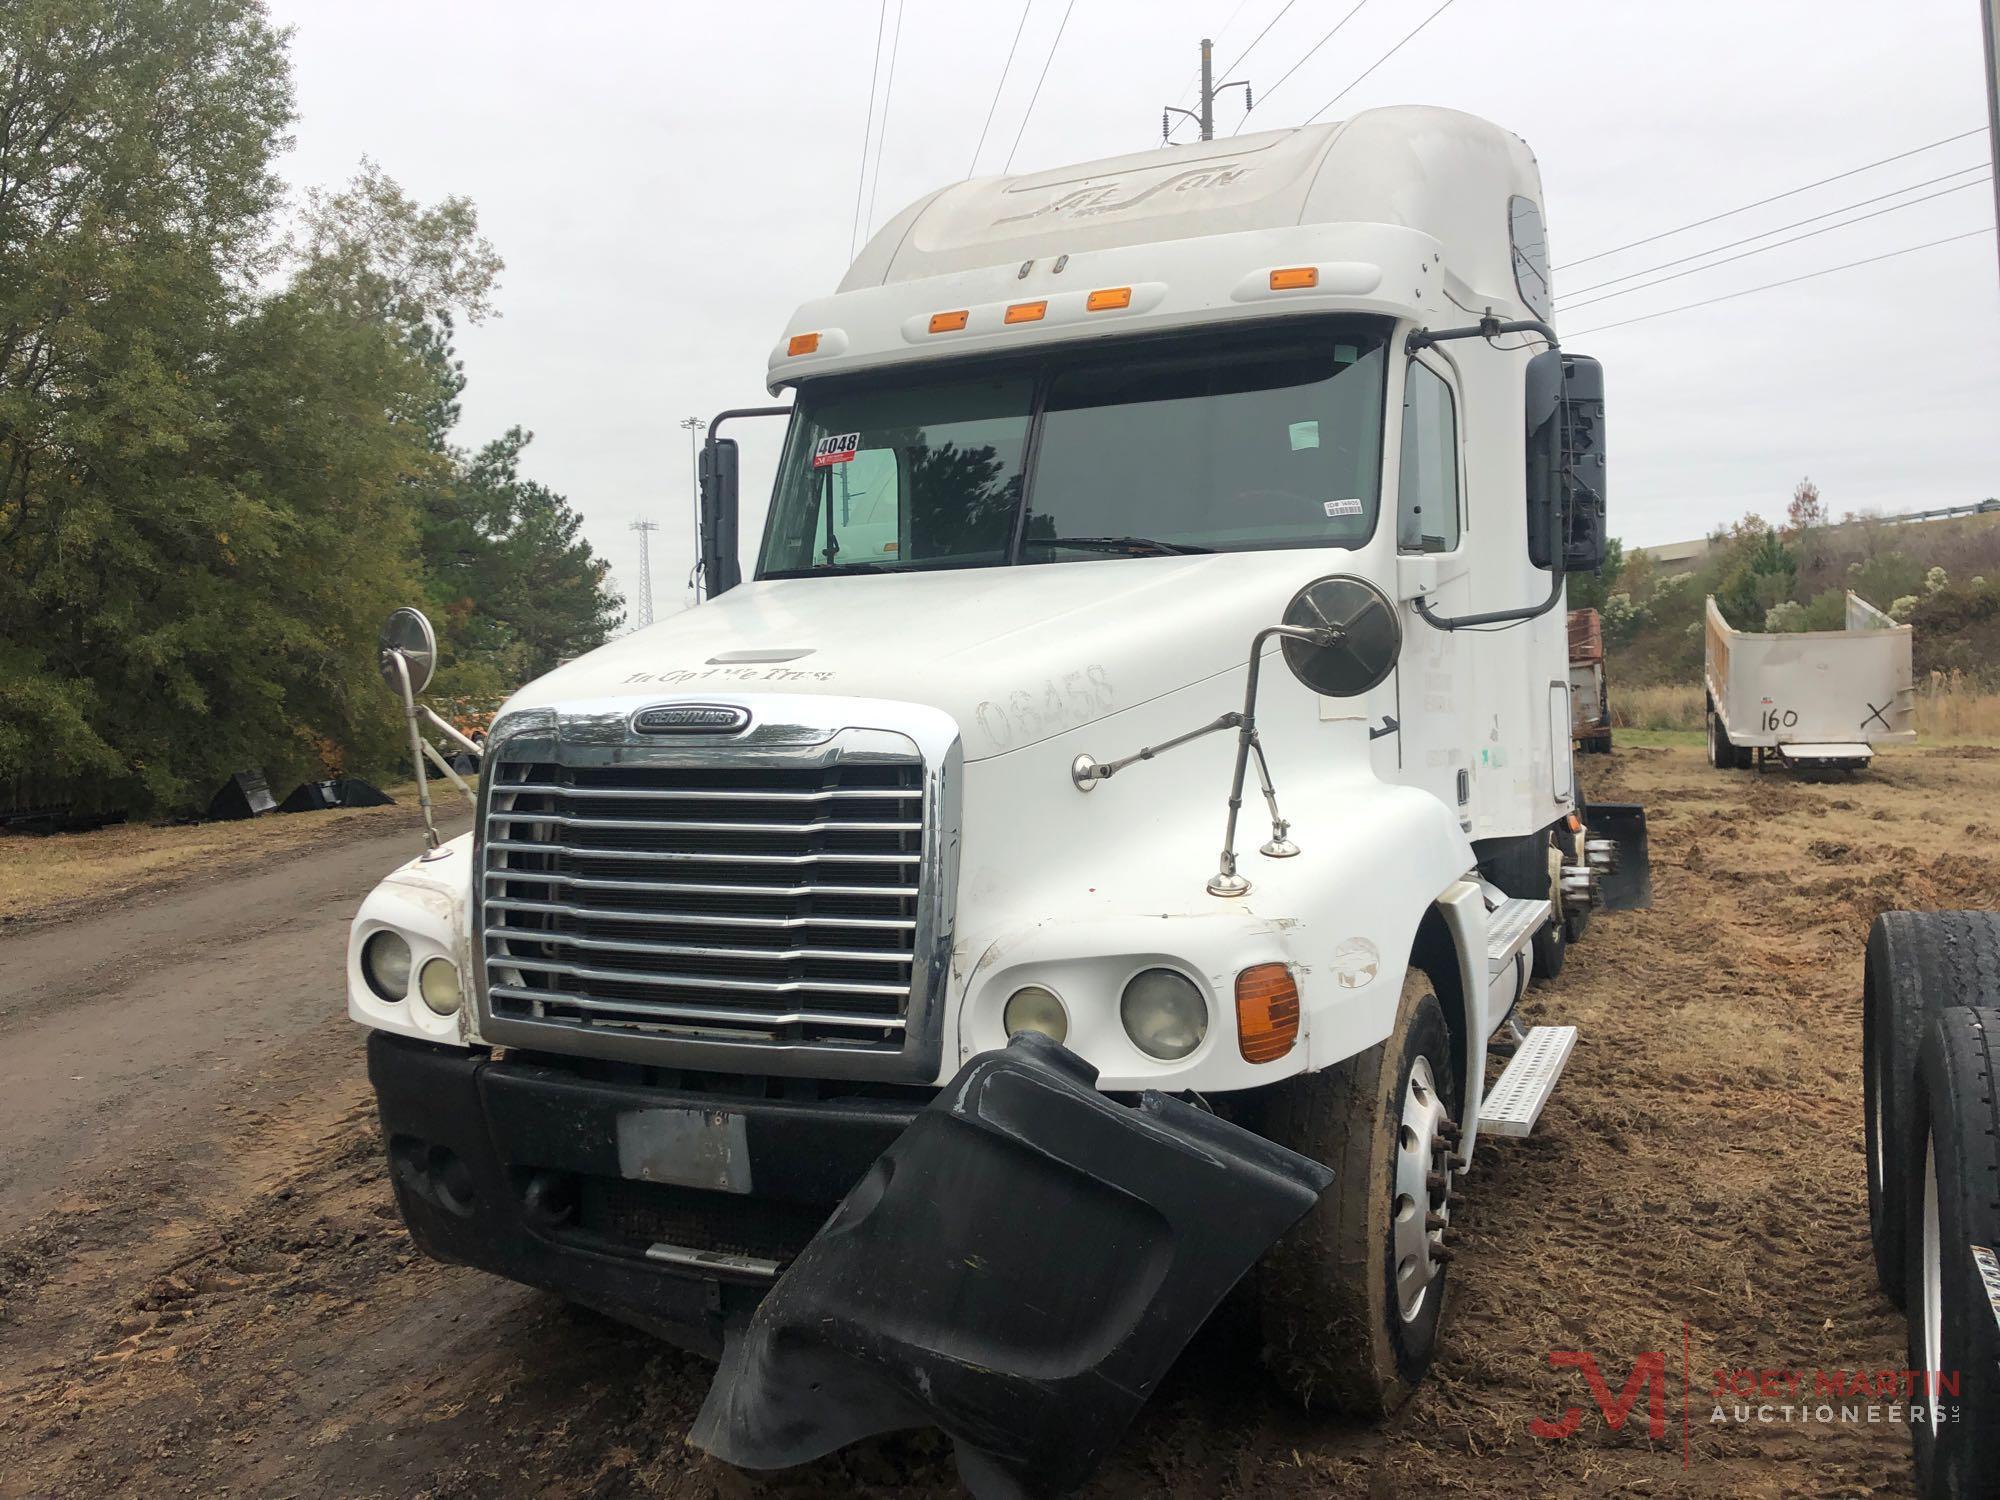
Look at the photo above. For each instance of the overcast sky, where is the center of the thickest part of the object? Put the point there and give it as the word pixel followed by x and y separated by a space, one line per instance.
pixel 667 181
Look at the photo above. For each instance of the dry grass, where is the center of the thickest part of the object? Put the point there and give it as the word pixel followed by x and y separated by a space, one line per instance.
pixel 1949 709
pixel 1675 705
pixel 41 875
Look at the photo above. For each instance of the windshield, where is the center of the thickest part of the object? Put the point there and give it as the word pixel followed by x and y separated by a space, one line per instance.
pixel 1186 445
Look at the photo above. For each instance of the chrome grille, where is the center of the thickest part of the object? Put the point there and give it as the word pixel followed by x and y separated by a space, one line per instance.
pixel 752 904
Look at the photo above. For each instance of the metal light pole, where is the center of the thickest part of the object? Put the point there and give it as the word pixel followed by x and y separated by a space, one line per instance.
pixel 1989 15
pixel 694 426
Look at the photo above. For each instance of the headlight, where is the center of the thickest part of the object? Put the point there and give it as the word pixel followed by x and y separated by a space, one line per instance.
pixel 1036 1009
pixel 437 982
pixel 385 964
pixel 1164 1014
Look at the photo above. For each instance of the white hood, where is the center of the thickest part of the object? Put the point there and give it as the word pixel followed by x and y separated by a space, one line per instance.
pixel 1014 654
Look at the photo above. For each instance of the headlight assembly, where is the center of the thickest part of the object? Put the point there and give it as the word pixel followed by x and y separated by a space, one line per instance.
pixel 385 964
pixel 1164 1014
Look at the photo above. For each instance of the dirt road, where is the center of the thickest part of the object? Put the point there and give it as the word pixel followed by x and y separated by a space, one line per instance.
pixel 203 1288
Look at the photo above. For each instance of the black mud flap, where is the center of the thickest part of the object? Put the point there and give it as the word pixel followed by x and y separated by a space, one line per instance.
pixel 1630 886
pixel 1019 1269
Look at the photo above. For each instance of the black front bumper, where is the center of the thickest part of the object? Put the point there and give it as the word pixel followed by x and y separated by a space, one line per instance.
pixel 582 1186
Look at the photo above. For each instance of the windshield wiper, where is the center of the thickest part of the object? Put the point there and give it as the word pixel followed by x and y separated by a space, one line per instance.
pixel 1137 545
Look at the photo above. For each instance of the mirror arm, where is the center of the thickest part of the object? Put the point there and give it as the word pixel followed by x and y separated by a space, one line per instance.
pixel 1493 616
pixel 1486 328
pixel 447 730
pixel 1086 773
pixel 1225 881
pixel 452 776
pixel 416 751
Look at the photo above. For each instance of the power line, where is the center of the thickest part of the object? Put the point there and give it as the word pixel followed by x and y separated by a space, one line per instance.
pixel 867 130
pixel 1788 281
pixel 1038 86
pixel 1261 35
pixel 888 94
pixel 1789 193
pixel 1780 229
pixel 998 87
pixel 1774 245
pixel 1303 59
pixel 1378 62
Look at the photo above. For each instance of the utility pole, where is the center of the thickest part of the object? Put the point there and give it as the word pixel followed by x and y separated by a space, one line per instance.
pixel 1205 117
pixel 1989 14
pixel 693 427
pixel 645 530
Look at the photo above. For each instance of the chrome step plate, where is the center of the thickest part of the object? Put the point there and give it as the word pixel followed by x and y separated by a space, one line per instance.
pixel 1510 927
pixel 1520 1093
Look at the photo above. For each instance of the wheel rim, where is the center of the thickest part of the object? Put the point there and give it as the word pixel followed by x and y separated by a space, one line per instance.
pixel 1933 1266
pixel 1871 1084
pixel 1419 1214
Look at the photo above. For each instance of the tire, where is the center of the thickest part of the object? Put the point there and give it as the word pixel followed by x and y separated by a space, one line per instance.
pixel 1954 1207
pixel 1918 963
pixel 1723 755
pixel 1333 1315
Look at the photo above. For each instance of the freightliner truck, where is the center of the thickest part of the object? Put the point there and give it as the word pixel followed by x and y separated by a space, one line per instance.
pixel 1087 858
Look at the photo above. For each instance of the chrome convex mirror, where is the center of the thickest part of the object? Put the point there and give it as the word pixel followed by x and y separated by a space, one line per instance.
pixel 408 634
pixel 1364 636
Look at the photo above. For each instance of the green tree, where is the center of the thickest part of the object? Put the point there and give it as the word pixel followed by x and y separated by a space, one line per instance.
pixel 1590 590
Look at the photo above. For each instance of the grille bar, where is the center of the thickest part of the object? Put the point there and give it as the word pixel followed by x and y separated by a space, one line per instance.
pixel 697 918
pixel 716 794
pixel 695 887
pixel 655 1010
pixel 690 950
pixel 515 846
pixel 670 825
pixel 504 961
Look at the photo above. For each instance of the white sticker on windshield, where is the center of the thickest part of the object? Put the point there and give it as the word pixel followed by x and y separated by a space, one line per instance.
pixel 1343 507
pixel 829 451
pixel 1304 435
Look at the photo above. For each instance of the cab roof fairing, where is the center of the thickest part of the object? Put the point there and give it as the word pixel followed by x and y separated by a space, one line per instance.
pixel 1379 269
pixel 1444 175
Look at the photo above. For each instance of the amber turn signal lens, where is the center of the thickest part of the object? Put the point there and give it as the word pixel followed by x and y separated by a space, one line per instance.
pixel 949 322
pixel 803 343
pixel 1267 1012
pixel 1294 277
pixel 1026 312
pixel 1109 297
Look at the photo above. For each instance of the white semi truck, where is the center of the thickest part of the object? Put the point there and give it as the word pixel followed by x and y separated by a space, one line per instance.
pixel 874 976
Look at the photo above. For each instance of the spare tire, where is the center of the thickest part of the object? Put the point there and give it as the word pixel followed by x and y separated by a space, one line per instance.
pixel 1919 962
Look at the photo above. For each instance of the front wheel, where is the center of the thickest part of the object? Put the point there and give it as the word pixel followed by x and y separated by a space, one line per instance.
pixel 1351 1299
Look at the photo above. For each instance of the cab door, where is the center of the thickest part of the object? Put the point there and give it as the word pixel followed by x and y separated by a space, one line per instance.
pixel 1429 694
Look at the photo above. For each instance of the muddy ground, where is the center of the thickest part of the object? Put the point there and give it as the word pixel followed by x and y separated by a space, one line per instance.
pixel 204 1289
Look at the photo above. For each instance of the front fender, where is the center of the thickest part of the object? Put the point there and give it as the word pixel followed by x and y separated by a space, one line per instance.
pixel 428 901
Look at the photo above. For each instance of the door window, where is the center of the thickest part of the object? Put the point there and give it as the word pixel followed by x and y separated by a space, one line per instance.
pixel 1427 510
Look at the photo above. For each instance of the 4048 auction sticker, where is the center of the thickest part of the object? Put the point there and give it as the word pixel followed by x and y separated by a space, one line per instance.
pixel 838 449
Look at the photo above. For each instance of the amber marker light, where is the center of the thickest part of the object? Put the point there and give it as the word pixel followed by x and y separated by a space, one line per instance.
pixel 1294 278
pixel 1027 312
pixel 803 343
pixel 1109 297
pixel 948 322
pixel 1267 1012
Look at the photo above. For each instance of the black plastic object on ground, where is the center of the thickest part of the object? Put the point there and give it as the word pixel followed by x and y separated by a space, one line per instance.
pixel 1019 1269
pixel 244 795
pixel 1630 886
pixel 341 791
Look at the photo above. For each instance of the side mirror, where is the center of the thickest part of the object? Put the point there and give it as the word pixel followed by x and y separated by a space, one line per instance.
pixel 721 570
pixel 1360 636
pixel 407 635
pixel 1565 455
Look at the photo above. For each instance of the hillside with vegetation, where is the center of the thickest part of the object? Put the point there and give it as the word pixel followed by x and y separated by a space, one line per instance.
pixel 1942 577
pixel 228 427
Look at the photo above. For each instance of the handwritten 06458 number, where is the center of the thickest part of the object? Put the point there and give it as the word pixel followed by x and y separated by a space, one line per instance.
pixel 1060 703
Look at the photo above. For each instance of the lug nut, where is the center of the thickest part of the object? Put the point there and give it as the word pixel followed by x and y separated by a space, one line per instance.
pixel 1437 1182
pixel 1434 1221
pixel 1443 1253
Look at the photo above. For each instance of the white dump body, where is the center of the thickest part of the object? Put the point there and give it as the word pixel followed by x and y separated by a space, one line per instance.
pixel 1816 695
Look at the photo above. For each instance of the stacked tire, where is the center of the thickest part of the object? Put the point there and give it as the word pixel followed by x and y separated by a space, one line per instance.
pixel 1931 1086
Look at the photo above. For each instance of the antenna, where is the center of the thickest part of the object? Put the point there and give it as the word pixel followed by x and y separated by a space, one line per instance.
pixel 645 530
